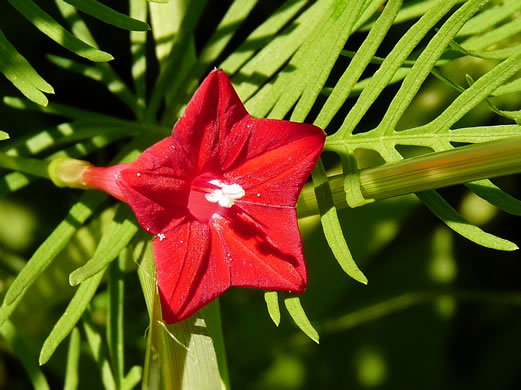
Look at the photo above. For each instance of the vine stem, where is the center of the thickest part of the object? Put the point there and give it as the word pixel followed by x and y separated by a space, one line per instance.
pixel 31 166
pixel 430 171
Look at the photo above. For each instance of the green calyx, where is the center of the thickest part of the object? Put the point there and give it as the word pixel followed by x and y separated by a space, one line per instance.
pixel 68 172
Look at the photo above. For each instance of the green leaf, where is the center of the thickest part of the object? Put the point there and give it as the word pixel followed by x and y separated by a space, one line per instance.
pixel 352 186
pixel 296 311
pixel 70 317
pixel 490 17
pixel 115 317
pixel 391 65
pixel 228 26
pixel 494 195
pixel 505 31
pixel 323 55
pixel 411 10
pixel 103 74
pixel 50 27
pixel 66 133
pixel 271 58
pixel 331 225
pixel 306 73
pixel 475 94
pixel 363 56
pixel 263 35
pixel 425 63
pixel 73 358
pixel 16 342
pixel 55 108
pixel 48 251
pixel 512 87
pixel 181 355
pixel 456 222
pixel 101 71
pixel 138 10
pixel 108 15
pixel 17 70
pixel 133 377
pixel 3 135
pixel 175 66
pixel 98 352
pixel 166 18
pixel 114 240
pixel 272 302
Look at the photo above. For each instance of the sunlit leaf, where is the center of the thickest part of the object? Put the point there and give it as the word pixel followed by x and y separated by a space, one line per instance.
pixel 108 15
pixel 73 357
pixel 114 240
pixel 17 70
pixel 70 317
pixel 99 353
pixel 47 252
pixel 272 302
pixel 296 311
pixel 331 225
pixel 457 223
pixel 50 27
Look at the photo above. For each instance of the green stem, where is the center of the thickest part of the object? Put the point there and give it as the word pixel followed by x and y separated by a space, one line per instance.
pixel 431 171
pixel 413 298
pixel 442 169
pixel 31 166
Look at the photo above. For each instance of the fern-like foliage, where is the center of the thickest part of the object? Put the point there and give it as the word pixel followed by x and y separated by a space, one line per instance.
pixel 300 63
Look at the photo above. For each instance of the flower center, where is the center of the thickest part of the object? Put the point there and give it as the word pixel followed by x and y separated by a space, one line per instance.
pixel 225 195
pixel 210 196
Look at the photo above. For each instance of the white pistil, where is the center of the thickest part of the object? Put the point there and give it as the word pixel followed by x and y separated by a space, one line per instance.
pixel 161 236
pixel 226 195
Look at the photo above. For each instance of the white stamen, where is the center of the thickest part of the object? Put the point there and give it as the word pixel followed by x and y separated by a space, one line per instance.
pixel 226 195
pixel 138 174
pixel 161 236
pixel 258 195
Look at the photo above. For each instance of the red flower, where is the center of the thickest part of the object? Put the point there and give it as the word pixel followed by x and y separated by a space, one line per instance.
pixel 219 195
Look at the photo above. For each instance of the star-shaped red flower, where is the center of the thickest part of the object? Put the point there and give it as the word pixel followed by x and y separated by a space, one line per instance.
pixel 219 195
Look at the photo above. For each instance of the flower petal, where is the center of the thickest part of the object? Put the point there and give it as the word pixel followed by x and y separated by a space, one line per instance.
pixel 211 129
pixel 191 272
pixel 157 185
pixel 276 175
pixel 263 249
pixel 271 134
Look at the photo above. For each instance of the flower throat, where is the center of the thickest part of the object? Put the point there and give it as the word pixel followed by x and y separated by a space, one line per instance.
pixel 209 196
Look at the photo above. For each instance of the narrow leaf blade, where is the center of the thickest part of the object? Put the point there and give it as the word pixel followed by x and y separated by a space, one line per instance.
pixel 73 357
pixel 50 27
pixel 108 15
pixel 70 317
pixel 50 248
pixel 457 223
pixel 272 302
pixel 331 225
pixel 114 240
pixel 296 311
